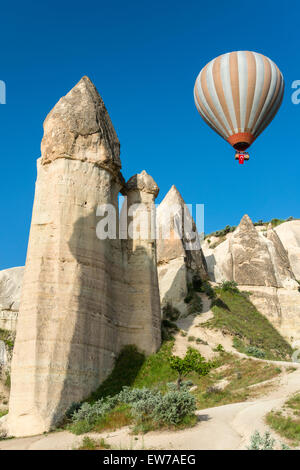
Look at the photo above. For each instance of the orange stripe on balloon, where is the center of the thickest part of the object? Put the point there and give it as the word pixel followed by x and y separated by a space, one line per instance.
pixel 266 87
pixel 210 103
pixel 234 79
pixel 205 116
pixel 216 72
pixel 251 65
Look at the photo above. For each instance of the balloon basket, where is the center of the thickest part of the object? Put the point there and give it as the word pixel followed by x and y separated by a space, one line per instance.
pixel 242 157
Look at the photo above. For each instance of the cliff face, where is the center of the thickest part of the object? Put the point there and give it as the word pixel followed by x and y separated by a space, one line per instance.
pixel 258 262
pixel 79 302
pixel 10 292
pixel 179 254
pixel 289 234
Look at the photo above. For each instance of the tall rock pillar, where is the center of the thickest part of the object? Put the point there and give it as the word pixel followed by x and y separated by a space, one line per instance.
pixel 144 316
pixel 67 331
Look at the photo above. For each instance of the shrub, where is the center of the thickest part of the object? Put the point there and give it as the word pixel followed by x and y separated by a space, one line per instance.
pixel 195 305
pixel 145 404
pixel 173 407
pixel 91 444
pixel 90 413
pixel 265 442
pixel 144 407
pixel 170 313
pixel 167 329
pixel 255 352
pixel 200 341
pixel 192 362
pixel 132 395
pixel 229 286
pixel 72 409
pixel 259 442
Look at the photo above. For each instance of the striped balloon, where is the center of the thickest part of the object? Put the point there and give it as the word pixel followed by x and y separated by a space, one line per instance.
pixel 238 94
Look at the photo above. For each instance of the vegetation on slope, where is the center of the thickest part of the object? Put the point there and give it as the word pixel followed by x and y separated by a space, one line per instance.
pixel 150 383
pixel 231 228
pixel 154 374
pixel 150 402
pixel 287 421
pixel 252 331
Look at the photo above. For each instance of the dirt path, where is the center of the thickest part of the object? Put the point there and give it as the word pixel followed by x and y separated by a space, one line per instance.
pixel 224 427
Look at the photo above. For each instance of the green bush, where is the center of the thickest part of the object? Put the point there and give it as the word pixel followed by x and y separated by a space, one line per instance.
pixel 91 413
pixel 192 362
pixel 195 305
pixel 229 286
pixel 173 407
pixel 265 442
pixel 256 352
pixel 170 313
pixel 146 404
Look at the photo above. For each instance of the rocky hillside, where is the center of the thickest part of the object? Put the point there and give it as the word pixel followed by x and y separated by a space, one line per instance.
pixel 265 262
pixel 179 258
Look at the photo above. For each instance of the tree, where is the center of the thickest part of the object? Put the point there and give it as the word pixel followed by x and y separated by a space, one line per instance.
pixel 192 362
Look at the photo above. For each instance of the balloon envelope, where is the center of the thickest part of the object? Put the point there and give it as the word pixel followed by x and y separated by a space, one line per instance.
pixel 238 94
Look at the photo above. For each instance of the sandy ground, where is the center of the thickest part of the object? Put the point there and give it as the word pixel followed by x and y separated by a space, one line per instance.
pixel 224 427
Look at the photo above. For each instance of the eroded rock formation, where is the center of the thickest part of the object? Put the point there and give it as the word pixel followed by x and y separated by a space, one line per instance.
pixel 258 262
pixel 79 302
pixel 10 292
pixel 179 254
pixel 289 234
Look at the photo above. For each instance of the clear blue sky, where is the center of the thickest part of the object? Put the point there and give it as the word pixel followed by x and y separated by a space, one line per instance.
pixel 144 57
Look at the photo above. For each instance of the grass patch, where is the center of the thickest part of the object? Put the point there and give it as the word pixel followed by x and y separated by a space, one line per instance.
pixel 92 444
pixel 287 421
pixel 133 369
pixel 149 424
pixel 241 374
pixel 156 370
pixel 294 404
pixel 115 419
pixel 286 426
pixel 234 312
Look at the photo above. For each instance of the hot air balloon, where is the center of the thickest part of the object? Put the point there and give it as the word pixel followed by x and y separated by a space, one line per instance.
pixel 238 94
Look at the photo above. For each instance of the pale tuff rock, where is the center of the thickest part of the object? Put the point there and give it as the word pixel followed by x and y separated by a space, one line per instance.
pixel 258 262
pixel 77 307
pixel 143 292
pixel 144 183
pixel 79 128
pixel 10 292
pixel 250 257
pixel 251 261
pixel 289 234
pixel 179 253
